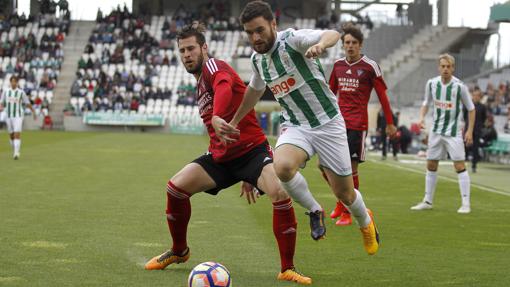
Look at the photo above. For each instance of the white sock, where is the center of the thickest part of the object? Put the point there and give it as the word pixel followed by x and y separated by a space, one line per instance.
pixel 359 210
pixel 430 186
pixel 17 145
pixel 298 190
pixel 464 185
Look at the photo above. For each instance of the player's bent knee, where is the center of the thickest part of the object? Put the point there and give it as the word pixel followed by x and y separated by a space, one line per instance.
pixel 285 170
pixel 459 166
pixel 432 165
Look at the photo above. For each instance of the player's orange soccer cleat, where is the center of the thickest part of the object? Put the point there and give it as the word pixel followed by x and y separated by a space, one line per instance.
pixel 293 276
pixel 339 209
pixel 160 262
pixel 370 236
pixel 345 219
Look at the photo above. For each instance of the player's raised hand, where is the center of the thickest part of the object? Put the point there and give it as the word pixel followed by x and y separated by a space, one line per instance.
pixel 250 191
pixel 391 130
pixel 226 132
pixel 315 51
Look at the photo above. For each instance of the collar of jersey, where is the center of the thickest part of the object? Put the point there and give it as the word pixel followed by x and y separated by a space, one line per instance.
pixel 354 63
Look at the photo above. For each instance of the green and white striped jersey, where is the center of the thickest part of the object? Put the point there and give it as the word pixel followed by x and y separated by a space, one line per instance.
pixel 447 99
pixel 298 83
pixel 12 101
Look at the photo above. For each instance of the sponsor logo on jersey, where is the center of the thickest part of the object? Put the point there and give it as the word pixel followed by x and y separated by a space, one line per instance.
pixel 443 105
pixel 282 87
pixel 205 102
pixel 348 84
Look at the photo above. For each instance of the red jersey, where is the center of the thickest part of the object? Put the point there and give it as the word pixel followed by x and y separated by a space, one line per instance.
pixel 353 84
pixel 220 92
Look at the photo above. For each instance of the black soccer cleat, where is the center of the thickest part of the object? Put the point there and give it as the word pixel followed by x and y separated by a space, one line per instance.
pixel 317 227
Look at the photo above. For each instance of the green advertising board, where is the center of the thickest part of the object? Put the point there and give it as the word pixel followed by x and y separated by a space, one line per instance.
pixel 186 123
pixel 120 119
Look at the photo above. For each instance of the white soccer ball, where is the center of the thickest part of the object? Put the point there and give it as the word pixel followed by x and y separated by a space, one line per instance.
pixel 209 274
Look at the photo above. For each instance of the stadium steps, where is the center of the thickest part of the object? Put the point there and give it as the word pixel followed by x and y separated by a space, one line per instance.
pixel 407 68
pixel 75 42
pixel 385 39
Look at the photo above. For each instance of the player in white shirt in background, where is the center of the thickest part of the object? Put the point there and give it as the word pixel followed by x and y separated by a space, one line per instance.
pixel 447 93
pixel 12 101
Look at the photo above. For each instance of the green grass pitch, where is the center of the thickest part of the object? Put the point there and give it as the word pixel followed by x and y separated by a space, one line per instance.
pixel 87 209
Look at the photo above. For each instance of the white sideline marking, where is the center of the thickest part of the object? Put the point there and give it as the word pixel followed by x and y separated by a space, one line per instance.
pixel 44 244
pixel 10 279
pixel 488 189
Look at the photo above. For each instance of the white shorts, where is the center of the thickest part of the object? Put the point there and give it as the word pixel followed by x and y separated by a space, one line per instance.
pixel 14 125
pixel 439 145
pixel 329 141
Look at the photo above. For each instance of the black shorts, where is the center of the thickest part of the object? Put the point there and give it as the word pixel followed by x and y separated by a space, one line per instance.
pixel 247 168
pixel 356 140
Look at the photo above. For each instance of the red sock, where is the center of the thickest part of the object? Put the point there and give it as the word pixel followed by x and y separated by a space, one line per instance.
pixel 178 213
pixel 285 228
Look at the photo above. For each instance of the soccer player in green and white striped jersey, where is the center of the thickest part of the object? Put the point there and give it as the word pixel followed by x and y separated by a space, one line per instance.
pixel 448 95
pixel 12 101
pixel 311 121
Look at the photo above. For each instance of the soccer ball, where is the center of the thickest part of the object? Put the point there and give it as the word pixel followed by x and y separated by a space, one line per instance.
pixel 209 274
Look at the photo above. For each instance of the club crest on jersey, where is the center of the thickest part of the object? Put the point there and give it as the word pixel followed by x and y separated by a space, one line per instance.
pixel 359 72
pixel 285 58
pixel 283 86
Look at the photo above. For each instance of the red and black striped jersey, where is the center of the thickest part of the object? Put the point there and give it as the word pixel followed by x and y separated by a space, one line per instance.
pixel 220 92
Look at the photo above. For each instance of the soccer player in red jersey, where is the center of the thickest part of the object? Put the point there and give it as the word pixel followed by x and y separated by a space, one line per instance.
pixel 352 80
pixel 220 92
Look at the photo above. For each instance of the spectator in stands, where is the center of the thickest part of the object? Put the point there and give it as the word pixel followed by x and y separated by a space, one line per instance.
pixel 480 119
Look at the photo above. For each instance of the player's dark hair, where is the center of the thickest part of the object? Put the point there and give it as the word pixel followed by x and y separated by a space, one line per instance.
pixel 256 9
pixel 350 29
pixel 196 29
pixel 14 77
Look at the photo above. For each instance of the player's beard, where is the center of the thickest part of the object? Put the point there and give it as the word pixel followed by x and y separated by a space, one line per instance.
pixel 268 45
pixel 197 68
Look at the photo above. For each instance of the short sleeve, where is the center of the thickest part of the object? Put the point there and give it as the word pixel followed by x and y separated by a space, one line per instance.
pixel 305 38
pixel 428 93
pixel 256 81
pixel 466 98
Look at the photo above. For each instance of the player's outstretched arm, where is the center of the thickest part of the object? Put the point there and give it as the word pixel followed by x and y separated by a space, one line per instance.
pixel 328 39
pixel 250 99
pixel 226 132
